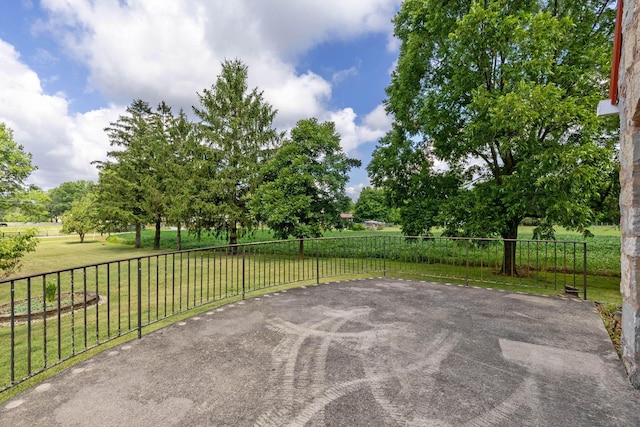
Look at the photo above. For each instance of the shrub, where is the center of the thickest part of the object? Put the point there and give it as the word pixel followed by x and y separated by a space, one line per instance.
pixel 51 291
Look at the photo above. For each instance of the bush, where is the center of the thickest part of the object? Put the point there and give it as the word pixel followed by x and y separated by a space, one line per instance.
pixel 354 226
pixel 51 291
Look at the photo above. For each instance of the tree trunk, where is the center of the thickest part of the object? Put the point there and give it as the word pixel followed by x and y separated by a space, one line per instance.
pixel 301 249
pixel 81 237
pixel 179 237
pixel 156 237
pixel 138 238
pixel 509 253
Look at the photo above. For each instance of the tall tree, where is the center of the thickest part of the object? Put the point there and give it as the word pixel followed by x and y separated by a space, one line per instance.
pixel 161 155
pixel 181 172
pixel 122 192
pixel 304 183
pixel 505 90
pixel 238 135
pixel 15 168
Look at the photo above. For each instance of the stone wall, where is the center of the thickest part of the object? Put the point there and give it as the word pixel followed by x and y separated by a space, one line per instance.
pixel 629 105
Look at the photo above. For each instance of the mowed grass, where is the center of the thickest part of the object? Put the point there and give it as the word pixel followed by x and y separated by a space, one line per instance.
pixel 66 252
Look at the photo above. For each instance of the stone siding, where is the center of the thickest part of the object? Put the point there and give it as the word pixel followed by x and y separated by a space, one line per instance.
pixel 629 105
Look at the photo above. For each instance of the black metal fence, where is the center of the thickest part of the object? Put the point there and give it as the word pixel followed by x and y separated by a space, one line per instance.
pixel 48 318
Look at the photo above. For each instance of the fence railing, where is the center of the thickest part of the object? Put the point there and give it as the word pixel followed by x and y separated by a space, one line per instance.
pixel 49 318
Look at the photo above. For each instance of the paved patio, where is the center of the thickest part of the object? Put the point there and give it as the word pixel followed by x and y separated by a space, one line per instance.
pixel 367 352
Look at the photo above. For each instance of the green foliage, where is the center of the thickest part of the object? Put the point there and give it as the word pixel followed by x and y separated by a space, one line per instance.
pixel 303 191
pixel 237 137
pixel 81 218
pixel 16 166
pixel 405 172
pixel 503 94
pixel 181 178
pixel 122 192
pixel 66 193
pixel 12 249
pixel 356 226
pixel 30 205
pixel 51 291
pixel 372 205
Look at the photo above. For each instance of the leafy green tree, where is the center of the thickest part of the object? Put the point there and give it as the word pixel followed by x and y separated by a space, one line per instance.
pixel 304 183
pixel 31 204
pixel 66 193
pixel 372 205
pixel 182 175
pixel 606 203
pixel 237 136
pixel 411 185
pixel 157 182
pixel 505 92
pixel 15 168
pixel 81 218
pixel 122 192
pixel 15 165
pixel 13 248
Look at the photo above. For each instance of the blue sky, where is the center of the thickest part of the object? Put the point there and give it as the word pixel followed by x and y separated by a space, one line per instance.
pixel 69 67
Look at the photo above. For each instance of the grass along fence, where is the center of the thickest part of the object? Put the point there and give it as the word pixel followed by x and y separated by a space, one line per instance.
pixel 91 305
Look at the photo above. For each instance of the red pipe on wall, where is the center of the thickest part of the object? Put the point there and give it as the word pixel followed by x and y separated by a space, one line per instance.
pixel 615 60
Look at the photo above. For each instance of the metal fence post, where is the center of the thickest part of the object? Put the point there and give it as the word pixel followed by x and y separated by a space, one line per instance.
pixel 384 257
pixel 317 261
pixel 584 267
pixel 13 331
pixel 139 298
pixel 467 259
pixel 243 273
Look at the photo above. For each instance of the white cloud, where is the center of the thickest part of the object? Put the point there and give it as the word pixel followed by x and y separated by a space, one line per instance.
pixel 374 126
pixel 378 120
pixel 341 75
pixel 297 97
pixel 169 50
pixel 354 191
pixel 393 44
pixel 164 48
pixel 62 146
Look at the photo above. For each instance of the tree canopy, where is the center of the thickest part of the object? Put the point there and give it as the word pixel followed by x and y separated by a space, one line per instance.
pixel 82 217
pixel 62 196
pixel 303 189
pixel 15 168
pixel 237 136
pixel 122 191
pixel 372 205
pixel 500 95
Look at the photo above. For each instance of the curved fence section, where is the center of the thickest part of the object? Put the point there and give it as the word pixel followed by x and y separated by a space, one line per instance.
pixel 48 318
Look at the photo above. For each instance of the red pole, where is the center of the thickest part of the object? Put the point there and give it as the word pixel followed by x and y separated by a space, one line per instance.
pixel 615 60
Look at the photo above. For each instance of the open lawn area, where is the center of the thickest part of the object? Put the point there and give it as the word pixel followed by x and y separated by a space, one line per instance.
pixel 603 251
